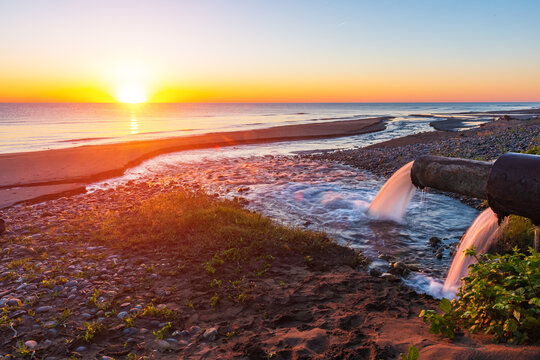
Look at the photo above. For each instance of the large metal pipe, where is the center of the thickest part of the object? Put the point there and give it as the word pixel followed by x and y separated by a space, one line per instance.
pixel 460 176
pixel 514 186
pixel 511 184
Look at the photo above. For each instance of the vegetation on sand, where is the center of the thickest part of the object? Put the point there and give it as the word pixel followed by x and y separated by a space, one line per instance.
pixel 500 296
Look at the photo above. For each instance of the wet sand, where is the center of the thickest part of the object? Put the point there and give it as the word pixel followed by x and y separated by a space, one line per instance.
pixel 38 170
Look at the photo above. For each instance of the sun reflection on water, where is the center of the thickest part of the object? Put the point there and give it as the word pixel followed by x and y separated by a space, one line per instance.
pixel 134 124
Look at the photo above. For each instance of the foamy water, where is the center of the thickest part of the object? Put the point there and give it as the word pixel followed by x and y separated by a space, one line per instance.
pixel 481 235
pixel 392 200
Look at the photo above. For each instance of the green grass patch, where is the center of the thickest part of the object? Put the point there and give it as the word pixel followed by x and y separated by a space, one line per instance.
pixel 198 228
pixel 516 231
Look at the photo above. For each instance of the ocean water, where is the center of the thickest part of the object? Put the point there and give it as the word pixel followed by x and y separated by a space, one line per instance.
pixel 42 126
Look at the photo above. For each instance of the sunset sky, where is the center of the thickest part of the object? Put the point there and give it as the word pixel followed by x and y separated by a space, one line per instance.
pixel 269 51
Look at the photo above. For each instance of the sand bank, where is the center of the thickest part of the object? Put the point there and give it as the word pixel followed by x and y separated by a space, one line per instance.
pixel 41 169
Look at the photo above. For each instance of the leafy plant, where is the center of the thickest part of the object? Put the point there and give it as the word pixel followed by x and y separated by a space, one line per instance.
pixel 90 330
pixel 22 350
pixel 160 312
pixel 500 296
pixel 164 331
pixel 441 324
pixel 214 300
pixel 62 318
pixel 412 354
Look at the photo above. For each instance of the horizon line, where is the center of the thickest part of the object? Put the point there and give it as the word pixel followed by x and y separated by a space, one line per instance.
pixel 267 102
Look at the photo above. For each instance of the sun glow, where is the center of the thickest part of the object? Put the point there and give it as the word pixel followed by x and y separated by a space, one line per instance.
pixel 131 94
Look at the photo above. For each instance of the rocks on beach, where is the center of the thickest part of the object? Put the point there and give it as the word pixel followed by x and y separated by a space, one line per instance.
pixel 60 289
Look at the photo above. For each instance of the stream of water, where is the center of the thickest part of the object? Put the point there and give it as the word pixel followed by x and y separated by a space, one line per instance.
pixel 319 196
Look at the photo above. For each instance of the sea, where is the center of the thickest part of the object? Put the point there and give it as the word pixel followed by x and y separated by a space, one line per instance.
pixel 42 126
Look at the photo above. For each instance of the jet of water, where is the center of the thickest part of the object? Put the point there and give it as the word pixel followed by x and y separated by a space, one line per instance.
pixel 391 201
pixel 481 235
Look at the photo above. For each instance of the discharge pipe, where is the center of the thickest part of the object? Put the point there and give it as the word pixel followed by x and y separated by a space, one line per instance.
pixel 511 184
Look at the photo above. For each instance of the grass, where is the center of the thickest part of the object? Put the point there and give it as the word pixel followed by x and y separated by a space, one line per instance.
pixel 189 225
pixel 516 231
pixel 196 229
pixel 217 240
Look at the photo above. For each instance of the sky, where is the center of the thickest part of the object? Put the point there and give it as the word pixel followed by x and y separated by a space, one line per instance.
pixel 269 51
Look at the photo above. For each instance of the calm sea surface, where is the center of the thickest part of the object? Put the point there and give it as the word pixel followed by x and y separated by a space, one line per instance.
pixel 31 127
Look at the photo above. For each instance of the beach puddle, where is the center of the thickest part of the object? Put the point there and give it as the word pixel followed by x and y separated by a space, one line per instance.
pixel 319 196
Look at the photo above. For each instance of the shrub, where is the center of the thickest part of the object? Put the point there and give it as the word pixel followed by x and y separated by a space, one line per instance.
pixel 515 231
pixel 500 296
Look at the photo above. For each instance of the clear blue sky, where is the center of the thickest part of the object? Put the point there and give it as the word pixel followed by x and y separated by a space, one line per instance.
pixel 274 50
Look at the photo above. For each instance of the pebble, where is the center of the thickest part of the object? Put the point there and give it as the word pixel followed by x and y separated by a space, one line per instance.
pixel 194 330
pixel 210 334
pixel 122 314
pixel 81 349
pixel 31 344
pixel 434 241
pixel 71 283
pixel 13 302
pixel 43 309
pixel 129 331
pixel 390 277
pixel 49 324
pixel 162 345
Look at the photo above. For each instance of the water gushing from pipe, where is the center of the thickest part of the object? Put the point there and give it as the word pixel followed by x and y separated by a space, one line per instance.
pixel 481 235
pixel 391 201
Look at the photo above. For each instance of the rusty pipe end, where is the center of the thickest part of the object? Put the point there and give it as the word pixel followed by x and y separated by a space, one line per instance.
pixel 513 186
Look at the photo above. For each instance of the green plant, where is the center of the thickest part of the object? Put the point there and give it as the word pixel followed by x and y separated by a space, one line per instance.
pixel 62 318
pixel 128 321
pixel 90 330
pixel 214 300
pixel 514 231
pixel 500 296
pixel 441 324
pixel 46 283
pixel 159 311
pixel 534 150
pixel 412 354
pixel 22 350
pixel 163 332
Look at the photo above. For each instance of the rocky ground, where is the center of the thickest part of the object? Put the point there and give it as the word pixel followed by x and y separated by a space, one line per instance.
pixel 62 298
pixel 486 142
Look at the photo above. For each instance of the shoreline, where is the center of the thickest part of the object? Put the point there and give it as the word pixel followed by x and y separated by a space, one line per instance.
pixel 30 177
pixel 85 164
pixel 487 142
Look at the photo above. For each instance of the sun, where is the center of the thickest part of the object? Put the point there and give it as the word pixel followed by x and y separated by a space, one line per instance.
pixel 131 94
